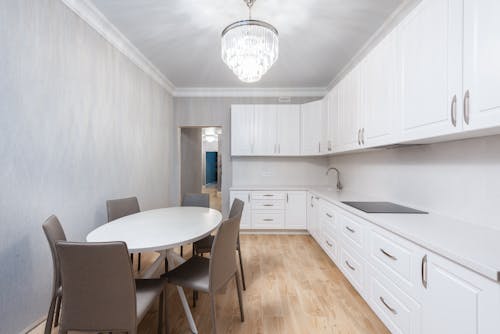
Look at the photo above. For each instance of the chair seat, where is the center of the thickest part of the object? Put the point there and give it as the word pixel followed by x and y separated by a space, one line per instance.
pixel 204 245
pixel 193 274
pixel 146 291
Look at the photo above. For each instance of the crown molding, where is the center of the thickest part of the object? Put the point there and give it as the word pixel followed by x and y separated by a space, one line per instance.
pixel 249 92
pixel 389 25
pixel 94 18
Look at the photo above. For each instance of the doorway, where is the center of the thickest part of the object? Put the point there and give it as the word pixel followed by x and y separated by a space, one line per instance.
pixel 201 163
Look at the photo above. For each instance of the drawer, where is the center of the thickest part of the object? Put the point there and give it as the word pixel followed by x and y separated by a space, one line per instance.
pixel 330 246
pixel 399 312
pixel 268 220
pixel 268 204
pixel 387 254
pixel 268 195
pixel 352 232
pixel 352 266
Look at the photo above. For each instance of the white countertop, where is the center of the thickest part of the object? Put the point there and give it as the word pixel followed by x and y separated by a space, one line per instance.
pixel 473 246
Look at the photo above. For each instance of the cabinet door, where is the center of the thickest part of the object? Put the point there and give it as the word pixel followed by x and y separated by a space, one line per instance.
pixel 379 87
pixel 295 210
pixel 482 63
pixel 349 111
pixel 458 301
pixel 246 217
pixel 430 40
pixel 288 129
pixel 242 121
pixel 311 127
pixel 265 130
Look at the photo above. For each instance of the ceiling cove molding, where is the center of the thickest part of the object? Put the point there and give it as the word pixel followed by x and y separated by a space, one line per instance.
pixel 391 23
pixel 249 92
pixel 94 18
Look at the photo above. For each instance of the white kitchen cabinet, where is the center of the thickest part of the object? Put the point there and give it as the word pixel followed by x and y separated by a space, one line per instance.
pixel 431 69
pixel 242 129
pixel 481 64
pixel 379 114
pixel 288 130
pixel 456 300
pixel 295 210
pixel 246 218
pixel 349 114
pixel 265 130
pixel 311 127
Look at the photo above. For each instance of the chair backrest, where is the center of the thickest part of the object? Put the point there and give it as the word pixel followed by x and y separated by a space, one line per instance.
pixel 122 207
pixel 201 200
pixel 98 287
pixel 223 253
pixel 54 232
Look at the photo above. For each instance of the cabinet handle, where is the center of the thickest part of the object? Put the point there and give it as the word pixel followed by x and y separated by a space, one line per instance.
pixel 359 136
pixel 349 265
pixel 454 111
pixel 388 307
pixel 328 215
pixel 328 243
pixel 268 220
pixel 424 271
pixel 390 256
pixel 350 229
pixel 466 107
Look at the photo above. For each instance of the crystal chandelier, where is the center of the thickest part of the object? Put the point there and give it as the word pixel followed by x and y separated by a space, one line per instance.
pixel 249 47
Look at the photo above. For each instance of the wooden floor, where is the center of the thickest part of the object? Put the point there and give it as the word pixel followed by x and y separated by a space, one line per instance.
pixel 292 287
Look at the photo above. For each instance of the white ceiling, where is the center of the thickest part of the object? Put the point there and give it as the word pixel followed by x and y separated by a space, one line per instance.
pixel 182 37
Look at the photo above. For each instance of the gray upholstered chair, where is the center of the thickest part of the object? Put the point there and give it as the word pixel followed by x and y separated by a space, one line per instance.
pixel 100 293
pixel 211 274
pixel 118 208
pixel 194 199
pixel 205 245
pixel 54 232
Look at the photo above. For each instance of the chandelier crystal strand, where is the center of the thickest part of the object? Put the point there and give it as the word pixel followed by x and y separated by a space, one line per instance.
pixel 249 47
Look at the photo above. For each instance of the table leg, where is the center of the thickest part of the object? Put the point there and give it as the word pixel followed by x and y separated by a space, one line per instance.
pixel 174 260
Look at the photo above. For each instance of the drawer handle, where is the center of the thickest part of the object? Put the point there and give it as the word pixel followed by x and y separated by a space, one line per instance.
pixel 328 243
pixel 390 256
pixel 350 229
pixel 328 215
pixel 388 307
pixel 349 265
pixel 268 220
pixel 268 204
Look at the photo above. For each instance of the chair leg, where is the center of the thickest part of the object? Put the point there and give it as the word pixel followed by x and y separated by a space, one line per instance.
pixel 139 262
pixel 212 312
pixel 241 269
pixel 240 297
pixel 58 310
pixel 50 315
pixel 160 313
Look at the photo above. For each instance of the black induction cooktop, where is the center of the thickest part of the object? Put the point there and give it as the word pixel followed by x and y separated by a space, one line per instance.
pixel 382 207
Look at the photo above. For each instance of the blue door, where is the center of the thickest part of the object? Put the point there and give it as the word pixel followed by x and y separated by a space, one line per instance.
pixel 211 167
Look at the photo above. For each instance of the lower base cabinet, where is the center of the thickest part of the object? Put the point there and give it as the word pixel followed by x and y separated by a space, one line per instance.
pixel 411 289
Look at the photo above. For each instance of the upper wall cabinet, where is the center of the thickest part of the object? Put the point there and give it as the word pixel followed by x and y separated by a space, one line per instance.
pixel 312 128
pixel 431 67
pixel 379 86
pixel 242 129
pixel 265 130
pixel 481 97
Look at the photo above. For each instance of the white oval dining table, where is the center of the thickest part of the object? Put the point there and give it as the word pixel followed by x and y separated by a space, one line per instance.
pixel 161 230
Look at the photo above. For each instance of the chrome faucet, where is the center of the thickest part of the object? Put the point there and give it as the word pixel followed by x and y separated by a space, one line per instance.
pixel 339 185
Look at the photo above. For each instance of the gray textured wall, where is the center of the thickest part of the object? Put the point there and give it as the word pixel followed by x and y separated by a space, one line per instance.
pixel 191 160
pixel 79 124
pixel 212 111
